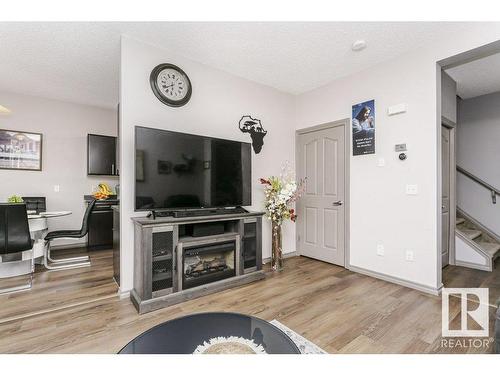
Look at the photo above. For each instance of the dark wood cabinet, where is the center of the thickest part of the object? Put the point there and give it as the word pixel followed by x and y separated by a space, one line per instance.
pixel 101 155
pixel 100 234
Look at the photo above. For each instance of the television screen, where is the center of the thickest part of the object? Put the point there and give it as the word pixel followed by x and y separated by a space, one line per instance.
pixel 179 171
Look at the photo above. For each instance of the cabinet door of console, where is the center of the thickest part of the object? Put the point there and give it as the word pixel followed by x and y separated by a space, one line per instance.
pixel 251 245
pixel 163 260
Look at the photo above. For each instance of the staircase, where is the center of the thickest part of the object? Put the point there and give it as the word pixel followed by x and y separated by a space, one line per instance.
pixel 479 238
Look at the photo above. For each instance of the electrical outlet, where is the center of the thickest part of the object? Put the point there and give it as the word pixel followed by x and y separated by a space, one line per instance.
pixel 380 250
pixel 57 188
pixel 409 256
pixel 411 189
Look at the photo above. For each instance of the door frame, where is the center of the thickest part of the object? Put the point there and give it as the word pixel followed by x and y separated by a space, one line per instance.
pixel 452 127
pixel 347 173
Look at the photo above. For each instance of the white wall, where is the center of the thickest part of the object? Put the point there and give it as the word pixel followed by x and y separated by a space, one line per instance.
pixel 217 104
pixel 380 210
pixel 64 161
pixel 478 139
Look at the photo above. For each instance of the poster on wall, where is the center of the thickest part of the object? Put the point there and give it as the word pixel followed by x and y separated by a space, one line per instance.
pixel 20 150
pixel 363 128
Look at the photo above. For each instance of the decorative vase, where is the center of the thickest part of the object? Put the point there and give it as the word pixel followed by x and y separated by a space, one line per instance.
pixel 277 253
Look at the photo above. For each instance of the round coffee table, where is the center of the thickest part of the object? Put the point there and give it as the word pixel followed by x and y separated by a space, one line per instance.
pixel 183 335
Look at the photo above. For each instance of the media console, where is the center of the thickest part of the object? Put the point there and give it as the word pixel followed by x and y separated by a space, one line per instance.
pixel 180 258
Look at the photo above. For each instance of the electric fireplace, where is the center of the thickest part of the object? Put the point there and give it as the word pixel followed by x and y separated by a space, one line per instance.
pixel 207 263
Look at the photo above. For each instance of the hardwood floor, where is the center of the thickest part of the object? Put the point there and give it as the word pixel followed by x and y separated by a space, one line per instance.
pixel 57 289
pixel 341 311
pixel 462 277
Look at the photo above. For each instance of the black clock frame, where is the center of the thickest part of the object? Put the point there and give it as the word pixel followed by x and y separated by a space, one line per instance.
pixel 154 85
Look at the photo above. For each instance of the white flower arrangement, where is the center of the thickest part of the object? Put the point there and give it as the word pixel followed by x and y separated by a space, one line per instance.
pixel 281 192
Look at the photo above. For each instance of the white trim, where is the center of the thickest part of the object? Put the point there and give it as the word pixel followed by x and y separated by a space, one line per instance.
pixel 452 205
pixel 285 256
pixel 396 280
pixel 123 294
pixel 472 265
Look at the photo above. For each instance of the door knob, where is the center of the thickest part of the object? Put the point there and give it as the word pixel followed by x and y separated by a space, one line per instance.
pixel 338 203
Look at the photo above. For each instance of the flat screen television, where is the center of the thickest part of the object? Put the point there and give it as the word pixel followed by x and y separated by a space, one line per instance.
pixel 175 171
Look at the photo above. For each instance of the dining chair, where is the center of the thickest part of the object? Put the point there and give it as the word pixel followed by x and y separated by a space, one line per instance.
pixel 37 204
pixel 15 238
pixel 74 262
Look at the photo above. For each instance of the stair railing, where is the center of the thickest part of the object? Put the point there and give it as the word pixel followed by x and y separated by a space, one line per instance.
pixel 494 191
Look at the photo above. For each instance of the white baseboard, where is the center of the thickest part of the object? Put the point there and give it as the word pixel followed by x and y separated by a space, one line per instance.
pixel 286 255
pixel 396 280
pixel 123 294
pixel 476 266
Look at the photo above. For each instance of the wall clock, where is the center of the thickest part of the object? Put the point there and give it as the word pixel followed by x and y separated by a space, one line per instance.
pixel 170 85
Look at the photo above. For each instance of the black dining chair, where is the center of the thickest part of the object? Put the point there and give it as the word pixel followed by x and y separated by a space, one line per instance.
pixel 65 263
pixel 15 238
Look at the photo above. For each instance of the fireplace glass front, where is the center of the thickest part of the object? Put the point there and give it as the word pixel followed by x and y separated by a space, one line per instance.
pixel 208 263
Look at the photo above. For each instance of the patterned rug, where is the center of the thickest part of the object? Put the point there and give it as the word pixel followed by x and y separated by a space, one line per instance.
pixel 305 346
pixel 240 345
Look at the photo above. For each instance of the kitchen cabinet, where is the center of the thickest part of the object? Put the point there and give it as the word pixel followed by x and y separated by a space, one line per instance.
pixel 101 155
pixel 100 234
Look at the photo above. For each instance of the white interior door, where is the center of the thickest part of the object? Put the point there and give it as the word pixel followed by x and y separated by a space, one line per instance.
pixel 321 210
pixel 445 208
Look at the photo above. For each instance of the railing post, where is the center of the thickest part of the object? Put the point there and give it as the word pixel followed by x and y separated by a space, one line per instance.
pixel 494 196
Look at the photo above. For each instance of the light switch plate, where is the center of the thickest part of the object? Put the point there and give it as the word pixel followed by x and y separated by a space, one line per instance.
pixel 381 162
pixel 410 256
pixel 396 109
pixel 57 188
pixel 411 189
pixel 380 250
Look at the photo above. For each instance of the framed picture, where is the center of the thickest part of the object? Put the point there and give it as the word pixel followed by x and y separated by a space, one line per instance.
pixel 20 150
pixel 164 167
pixel 363 128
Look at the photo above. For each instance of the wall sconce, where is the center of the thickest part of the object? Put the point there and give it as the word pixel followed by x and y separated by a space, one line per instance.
pixel 3 110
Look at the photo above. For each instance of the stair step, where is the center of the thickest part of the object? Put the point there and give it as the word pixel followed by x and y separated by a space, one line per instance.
pixel 490 247
pixel 460 220
pixel 470 233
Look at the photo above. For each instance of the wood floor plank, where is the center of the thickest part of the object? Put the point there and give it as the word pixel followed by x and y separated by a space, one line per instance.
pixel 59 289
pixel 340 311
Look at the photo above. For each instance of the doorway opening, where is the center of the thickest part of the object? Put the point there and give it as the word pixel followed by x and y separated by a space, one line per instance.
pixel 470 181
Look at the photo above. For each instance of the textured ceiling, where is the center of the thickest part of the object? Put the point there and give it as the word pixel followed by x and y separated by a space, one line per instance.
pixel 479 77
pixel 79 62
pixel 76 62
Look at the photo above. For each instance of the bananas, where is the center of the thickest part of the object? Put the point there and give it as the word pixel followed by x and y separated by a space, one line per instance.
pixel 104 191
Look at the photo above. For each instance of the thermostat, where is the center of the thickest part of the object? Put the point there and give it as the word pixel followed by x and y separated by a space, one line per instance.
pixel 400 147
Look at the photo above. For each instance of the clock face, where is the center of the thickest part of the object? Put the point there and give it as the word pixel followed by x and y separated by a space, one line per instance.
pixel 171 85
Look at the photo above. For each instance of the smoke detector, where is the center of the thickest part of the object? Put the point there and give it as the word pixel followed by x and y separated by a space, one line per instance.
pixel 358 45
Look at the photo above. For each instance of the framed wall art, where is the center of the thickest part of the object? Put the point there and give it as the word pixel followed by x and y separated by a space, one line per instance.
pixel 20 150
